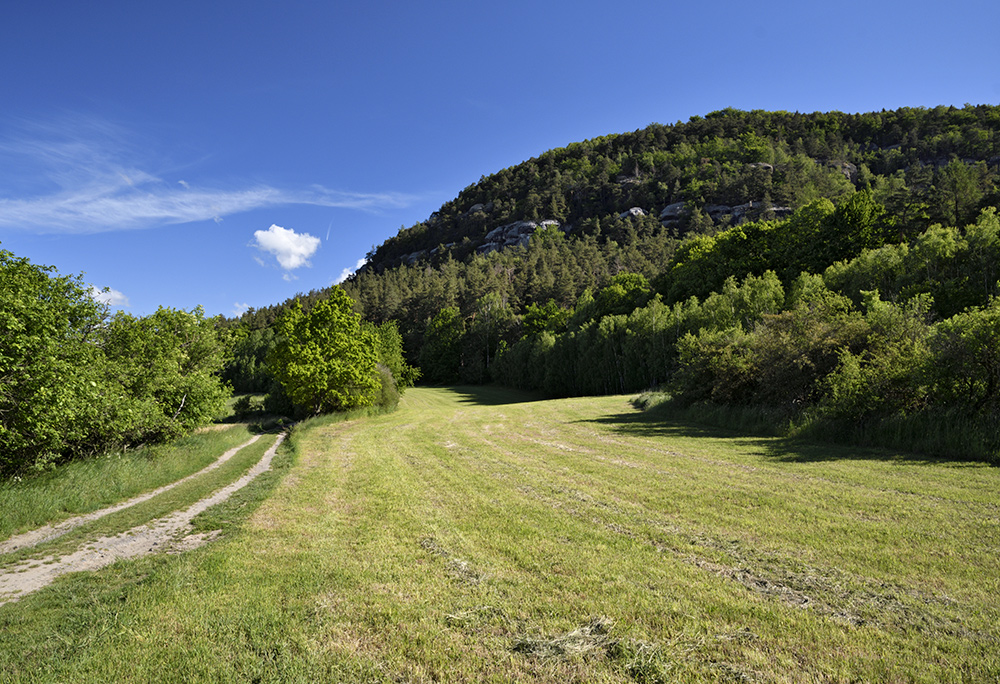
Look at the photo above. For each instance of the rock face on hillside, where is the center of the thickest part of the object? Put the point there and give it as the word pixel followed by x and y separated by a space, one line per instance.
pixel 512 234
pixel 479 208
pixel 634 211
pixel 672 212
pixel 849 170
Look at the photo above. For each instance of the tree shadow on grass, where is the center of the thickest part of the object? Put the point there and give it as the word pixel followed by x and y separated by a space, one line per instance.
pixel 488 395
pixel 653 425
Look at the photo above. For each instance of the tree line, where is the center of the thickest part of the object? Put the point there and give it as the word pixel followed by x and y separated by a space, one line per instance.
pixel 76 381
pixel 903 334
pixel 833 265
pixel 850 306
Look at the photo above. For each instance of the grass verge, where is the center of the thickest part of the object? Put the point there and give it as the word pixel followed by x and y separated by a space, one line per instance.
pixel 86 485
pixel 937 434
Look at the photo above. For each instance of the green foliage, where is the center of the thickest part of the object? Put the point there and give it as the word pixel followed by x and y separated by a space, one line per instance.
pixel 169 363
pixel 248 404
pixel 492 328
pixel 773 159
pixel 778 361
pixel 966 368
pixel 886 376
pixel 959 268
pixel 388 389
pixel 246 364
pixel 811 239
pixel 760 204
pixel 623 353
pixel 73 383
pixel 440 357
pixel 324 360
pixel 50 364
pixel 389 348
pixel 625 293
pixel 548 317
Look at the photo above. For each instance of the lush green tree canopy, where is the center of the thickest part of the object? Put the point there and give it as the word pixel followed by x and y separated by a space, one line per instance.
pixel 324 359
pixel 73 382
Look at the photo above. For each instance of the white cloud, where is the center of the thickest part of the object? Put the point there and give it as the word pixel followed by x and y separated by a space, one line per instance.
pixel 88 178
pixel 108 296
pixel 240 309
pixel 348 272
pixel 290 248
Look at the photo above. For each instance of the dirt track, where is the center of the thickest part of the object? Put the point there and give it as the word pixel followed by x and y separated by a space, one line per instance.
pixel 167 534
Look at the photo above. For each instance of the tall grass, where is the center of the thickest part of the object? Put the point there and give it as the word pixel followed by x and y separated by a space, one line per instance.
pixel 943 434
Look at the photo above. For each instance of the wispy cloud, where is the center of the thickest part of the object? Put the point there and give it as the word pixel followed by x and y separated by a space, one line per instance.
pixel 87 178
pixel 291 249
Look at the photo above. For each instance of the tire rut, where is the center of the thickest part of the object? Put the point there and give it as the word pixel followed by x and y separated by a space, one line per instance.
pixel 161 535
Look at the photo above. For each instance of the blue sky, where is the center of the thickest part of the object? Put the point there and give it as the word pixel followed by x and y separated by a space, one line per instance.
pixel 232 154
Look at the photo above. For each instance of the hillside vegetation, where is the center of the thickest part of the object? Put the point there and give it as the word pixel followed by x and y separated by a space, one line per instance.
pixel 832 273
pixel 479 535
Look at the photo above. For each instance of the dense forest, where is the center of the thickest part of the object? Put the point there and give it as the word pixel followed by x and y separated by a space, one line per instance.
pixel 830 270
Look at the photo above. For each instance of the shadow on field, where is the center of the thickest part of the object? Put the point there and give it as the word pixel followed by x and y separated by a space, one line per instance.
pixel 493 396
pixel 781 449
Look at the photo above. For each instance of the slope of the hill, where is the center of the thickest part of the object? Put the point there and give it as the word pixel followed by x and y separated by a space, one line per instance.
pixel 726 168
pixel 631 197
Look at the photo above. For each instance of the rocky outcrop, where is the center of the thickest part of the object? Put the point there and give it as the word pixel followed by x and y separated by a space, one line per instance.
pixel 849 170
pixel 479 207
pixel 672 212
pixel 413 257
pixel 634 211
pixel 717 211
pixel 754 210
pixel 512 234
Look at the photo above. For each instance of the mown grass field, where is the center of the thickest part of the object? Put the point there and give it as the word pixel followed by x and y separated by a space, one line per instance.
pixel 481 536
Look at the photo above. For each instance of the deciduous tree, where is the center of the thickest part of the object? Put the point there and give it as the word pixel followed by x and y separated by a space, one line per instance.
pixel 323 359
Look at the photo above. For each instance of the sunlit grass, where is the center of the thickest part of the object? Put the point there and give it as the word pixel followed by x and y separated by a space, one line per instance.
pixel 163 504
pixel 483 537
pixel 89 484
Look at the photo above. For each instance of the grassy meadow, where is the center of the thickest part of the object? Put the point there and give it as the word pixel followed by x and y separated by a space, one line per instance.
pixel 479 535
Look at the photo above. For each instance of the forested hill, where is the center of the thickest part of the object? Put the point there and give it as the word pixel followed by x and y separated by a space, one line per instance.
pixel 645 190
pixel 726 168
